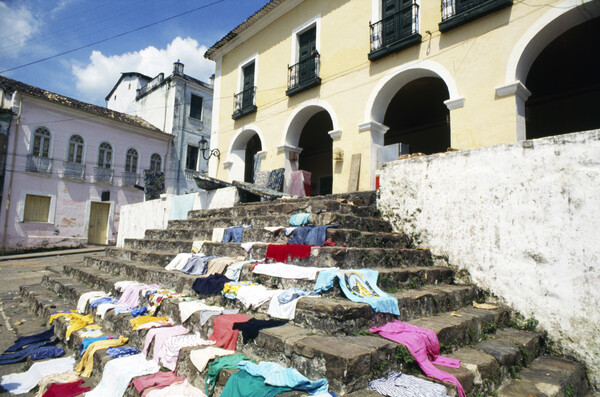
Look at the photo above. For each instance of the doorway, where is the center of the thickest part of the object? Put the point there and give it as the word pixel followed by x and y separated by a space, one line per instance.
pixel 98 226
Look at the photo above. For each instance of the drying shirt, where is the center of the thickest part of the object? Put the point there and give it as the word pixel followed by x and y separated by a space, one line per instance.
pixel 66 389
pixel 155 324
pixel 251 327
pixel 422 344
pixel 103 308
pixel 88 341
pixel 159 380
pixel 20 383
pixel 174 344
pixel 219 264
pixel 215 368
pixel 201 357
pixel 119 372
pixel 21 355
pixel 179 261
pixel 255 295
pixel 131 294
pixel 64 377
pixel 210 285
pixel 89 334
pixel 276 375
pixel 46 352
pixel 284 270
pixel 217 234
pixel 120 285
pixel 242 383
pixel 359 286
pixel 183 389
pixel 311 235
pixel 233 234
pixel 86 365
pixel 187 308
pixel 223 333
pixel 26 340
pixel 137 321
pixel 399 385
pixel 300 219
pixel 116 352
pixel 156 297
pixel 231 289
pixel 280 252
pixel 94 303
pixel 86 297
pixel 197 264
pixel 233 271
pixel 160 335
pixel 208 314
pixel 285 311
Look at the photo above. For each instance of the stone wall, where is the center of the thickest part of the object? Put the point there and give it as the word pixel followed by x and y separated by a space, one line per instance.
pixel 154 214
pixel 522 219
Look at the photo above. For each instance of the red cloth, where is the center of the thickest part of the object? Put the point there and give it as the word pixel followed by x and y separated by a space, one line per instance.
pixel 223 333
pixel 280 252
pixel 66 389
pixel 159 380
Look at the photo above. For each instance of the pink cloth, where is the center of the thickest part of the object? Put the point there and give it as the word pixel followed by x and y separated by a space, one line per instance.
pixel 131 295
pixel 159 380
pixel 160 336
pixel 299 180
pixel 223 333
pixel 422 344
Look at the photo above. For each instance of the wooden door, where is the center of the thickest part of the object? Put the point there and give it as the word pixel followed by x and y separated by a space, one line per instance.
pixel 248 89
pixel 306 56
pixel 97 233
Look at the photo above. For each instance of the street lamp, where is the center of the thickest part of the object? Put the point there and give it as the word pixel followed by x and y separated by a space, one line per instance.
pixel 203 144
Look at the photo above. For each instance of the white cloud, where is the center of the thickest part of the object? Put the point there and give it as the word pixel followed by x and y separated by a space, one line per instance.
pixel 19 24
pixel 95 80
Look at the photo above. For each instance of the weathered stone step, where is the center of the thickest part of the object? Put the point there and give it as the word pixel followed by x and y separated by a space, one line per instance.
pixel 260 221
pixel 341 257
pixel 180 240
pixel 548 376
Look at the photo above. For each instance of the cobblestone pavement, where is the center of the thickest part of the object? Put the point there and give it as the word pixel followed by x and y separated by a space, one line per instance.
pixel 15 319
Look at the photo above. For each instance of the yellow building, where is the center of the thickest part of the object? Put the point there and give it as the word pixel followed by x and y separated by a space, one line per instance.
pixel 336 86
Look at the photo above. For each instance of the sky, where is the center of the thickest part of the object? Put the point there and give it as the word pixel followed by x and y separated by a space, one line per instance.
pixel 36 29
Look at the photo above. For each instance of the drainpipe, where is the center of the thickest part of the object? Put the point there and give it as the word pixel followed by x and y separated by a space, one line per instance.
pixel 12 171
pixel 181 140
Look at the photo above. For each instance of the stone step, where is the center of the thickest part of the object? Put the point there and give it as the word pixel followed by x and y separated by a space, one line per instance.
pixel 367 224
pixel 548 376
pixel 180 240
pixel 341 257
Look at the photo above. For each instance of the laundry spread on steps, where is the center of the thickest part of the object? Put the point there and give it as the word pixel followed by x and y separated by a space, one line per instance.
pixel 201 357
pixel 86 365
pixel 276 375
pixel 223 333
pixel 300 219
pixel 160 380
pixel 23 341
pixel 210 285
pixel 397 384
pixel 23 382
pixel 70 389
pixel 251 328
pixel 310 235
pixel 63 377
pixel 86 297
pixel 234 234
pixel 287 271
pixel 179 389
pixel 116 352
pixel 281 252
pixel 119 372
pixel 76 321
pixel 174 344
pixel 215 368
pixel 160 336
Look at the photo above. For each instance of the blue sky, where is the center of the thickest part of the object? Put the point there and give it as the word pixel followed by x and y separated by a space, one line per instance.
pixel 36 29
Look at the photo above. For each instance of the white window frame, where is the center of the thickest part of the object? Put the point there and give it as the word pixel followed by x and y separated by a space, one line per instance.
pixel 50 144
pixel 313 22
pixel 377 12
pixel 83 149
pixel 137 160
pixel 161 162
pixel 112 156
pixel 21 207
pixel 241 66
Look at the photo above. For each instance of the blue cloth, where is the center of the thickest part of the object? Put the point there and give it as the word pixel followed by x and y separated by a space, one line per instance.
pixel 291 294
pixel 122 309
pixel 197 265
pixel 276 179
pixel 88 341
pixel 21 355
pixel 138 312
pixel 241 383
pixel 359 286
pixel 26 340
pixel 105 299
pixel 154 184
pixel 299 219
pixel 116 352
pixel 276 375
pixel 47 352
pixel 181 205
pixel 310 235
pixel 233 234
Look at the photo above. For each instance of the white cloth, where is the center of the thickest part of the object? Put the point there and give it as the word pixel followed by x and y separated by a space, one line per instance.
pixel 103 308
pixel 86 297
pixel 233 271
pixel 183 389
pixel 255 295
pixel 274 229
pixel 174 344
pixel 285 311
pixel 20 383
pixel 284 270
pixel 289 230
pixel 217 234
pixel 187 308
pixel 120 285
pixel 179 261
pixel 201 357
pixel 248 246
pixel 119 372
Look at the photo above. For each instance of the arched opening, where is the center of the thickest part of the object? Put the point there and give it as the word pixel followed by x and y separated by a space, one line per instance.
pixel 317 151
pixel 251 164
pixel 565 84
pixel 417 117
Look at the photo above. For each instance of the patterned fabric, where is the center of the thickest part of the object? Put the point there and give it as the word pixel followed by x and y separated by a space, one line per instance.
pixel 276 179
pixel 154 184
pixel 116 352
pixel 399 385
pixel 261 178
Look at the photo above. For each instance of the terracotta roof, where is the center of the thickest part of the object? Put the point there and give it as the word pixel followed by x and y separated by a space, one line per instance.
pixel 10 86
pixel 241 27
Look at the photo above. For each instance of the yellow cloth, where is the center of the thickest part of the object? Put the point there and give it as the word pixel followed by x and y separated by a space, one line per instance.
pixel 58 314
pixel 87 360
pixel 92 327
pixel 233 287
pixel 77 321
pixel 137 321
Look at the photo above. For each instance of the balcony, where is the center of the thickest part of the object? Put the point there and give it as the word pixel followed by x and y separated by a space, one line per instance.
pixel 395 32
pixel 104 175
pixel 40 165
pixel 459 12
pixel 304 75
pixel 189 174
pixel 129 179
pixel 73 170
pixel 244 103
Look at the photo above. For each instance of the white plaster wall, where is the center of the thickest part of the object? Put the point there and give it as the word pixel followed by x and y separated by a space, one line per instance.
pixel 522 218
pixel 154 214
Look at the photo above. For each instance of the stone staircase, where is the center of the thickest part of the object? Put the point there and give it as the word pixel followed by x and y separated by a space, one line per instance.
pixel 329 336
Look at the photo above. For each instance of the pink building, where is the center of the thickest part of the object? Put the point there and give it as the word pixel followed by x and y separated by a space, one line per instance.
pixel 66 168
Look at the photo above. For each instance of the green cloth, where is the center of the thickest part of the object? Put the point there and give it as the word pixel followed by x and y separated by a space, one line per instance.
pixel 242 384
pixel 214 369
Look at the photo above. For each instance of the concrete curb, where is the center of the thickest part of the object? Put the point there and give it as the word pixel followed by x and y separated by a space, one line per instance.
pixel 51 253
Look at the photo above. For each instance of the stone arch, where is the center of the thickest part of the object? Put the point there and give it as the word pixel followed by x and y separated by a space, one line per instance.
pixel 299 117
pixel 237 151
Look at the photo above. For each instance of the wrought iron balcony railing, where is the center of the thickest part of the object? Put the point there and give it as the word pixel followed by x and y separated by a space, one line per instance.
pixel 41 165
pixel 189 174
pixel 395 32
pixel 244 103
pixel 304 74
pixel 129 179
pixel 459 12
pixel 73 170
pixel 104 175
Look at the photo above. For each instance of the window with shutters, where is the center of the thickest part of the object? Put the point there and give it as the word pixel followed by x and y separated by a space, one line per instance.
pixel 75 149
pixel 191 159
pixel 105 155
pixel 196 107
pixel 41 142
pixel 304 71
pixel 244 102
pixel 37 208
pixel 131 160
pixel 397 29
pixel 155 162
pixel 460 12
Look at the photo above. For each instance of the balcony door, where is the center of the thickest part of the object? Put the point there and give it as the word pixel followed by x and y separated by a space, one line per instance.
pixel 307 42
pixel 396 24
pixel 98 226
pixel 247 89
